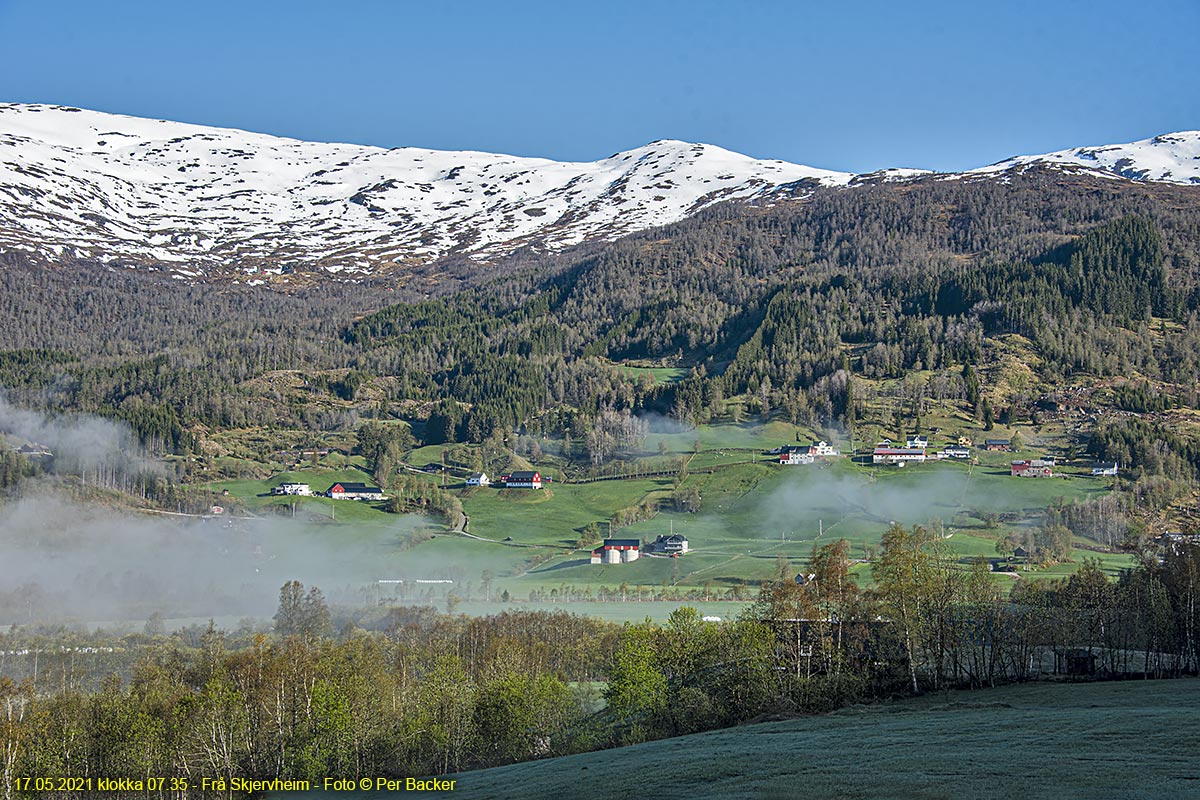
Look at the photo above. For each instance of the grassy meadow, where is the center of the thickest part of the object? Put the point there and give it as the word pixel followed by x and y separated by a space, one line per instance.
pixel 1132 740
pixel 752 511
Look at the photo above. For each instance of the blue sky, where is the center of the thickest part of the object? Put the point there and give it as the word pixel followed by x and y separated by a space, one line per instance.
pixel 853 85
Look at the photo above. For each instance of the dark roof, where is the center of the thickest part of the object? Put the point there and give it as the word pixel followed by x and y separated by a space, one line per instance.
pixel 523 476
pixel 355 487
pixel 622 543
pixel 997 441
pixel 674 537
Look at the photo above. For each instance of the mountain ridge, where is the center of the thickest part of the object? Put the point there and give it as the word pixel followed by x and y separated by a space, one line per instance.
pixel 205 202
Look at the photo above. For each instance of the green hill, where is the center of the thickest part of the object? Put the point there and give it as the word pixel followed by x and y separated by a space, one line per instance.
pixel 1124 740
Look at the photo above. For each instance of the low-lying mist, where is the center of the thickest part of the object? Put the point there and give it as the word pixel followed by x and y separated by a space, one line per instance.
pixel 933 494
pixel 64 560
pixel 80 442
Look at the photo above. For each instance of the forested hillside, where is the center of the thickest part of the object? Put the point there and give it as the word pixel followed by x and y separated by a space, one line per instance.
pixel 804 309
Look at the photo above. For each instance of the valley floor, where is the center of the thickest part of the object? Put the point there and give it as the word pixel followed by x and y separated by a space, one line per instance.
pixel 1128 740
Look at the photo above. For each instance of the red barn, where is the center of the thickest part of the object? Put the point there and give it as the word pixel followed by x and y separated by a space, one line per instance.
pixel 522 480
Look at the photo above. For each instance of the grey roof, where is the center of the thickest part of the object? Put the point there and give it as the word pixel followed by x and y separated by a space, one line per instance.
pixel 355 487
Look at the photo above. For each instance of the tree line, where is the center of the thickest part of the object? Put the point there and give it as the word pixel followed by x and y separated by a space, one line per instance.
pixel 420 693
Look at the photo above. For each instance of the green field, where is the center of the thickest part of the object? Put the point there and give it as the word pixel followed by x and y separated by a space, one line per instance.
pixel 1133 740
pixel 751 512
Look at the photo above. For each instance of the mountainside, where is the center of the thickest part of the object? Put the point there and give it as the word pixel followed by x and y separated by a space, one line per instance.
pixel 97 186
pixel 201 201
pixel 1170 158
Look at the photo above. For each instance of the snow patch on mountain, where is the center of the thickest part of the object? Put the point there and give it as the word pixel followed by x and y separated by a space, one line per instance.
pixel 199 201
pixel 135 190
pixel 1170 158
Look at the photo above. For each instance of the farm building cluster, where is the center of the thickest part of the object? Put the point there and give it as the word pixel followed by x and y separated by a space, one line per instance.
pixel 523 479
pixel 617 551
pixel 1033 468
pixel 31 450
pixel 1177 542
pixel 344 490
pixel 916 449
pixel 804 453
pixel 622 551
pixel 520 479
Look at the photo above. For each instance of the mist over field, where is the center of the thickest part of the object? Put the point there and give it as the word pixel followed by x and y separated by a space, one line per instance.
pixel 63 560
pixel 660 424
pixel 833 496
pixel 66 559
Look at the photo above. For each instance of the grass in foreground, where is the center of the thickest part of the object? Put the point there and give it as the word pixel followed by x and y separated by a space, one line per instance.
pixel 1132 740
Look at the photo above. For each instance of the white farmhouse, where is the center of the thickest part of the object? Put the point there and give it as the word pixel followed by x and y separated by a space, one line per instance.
pixel 300 489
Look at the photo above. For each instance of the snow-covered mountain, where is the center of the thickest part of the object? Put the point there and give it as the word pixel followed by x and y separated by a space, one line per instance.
pixel 200 201
pixel 197 199
pixel 1170 158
